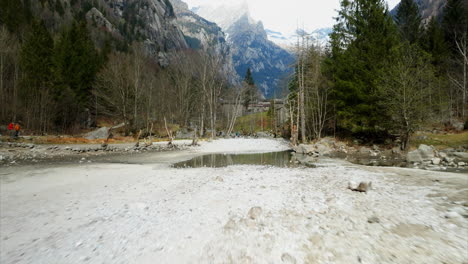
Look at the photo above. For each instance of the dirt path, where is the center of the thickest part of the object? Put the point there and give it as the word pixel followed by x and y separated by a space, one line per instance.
pixel 146 213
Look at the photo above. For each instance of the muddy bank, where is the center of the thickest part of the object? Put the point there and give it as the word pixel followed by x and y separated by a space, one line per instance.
pixel 12 154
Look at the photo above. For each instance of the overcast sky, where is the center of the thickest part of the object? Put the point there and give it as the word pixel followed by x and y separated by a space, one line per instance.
pixel 286 15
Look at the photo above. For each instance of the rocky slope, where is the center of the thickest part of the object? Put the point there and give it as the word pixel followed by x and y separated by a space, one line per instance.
pixel 201 34
pixel 152 21
pixel 251 48
pixel 428 8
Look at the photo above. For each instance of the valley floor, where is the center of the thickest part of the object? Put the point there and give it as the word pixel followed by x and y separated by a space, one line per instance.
pixel 148 212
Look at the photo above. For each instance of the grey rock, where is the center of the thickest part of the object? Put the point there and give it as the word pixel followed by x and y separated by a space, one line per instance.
pixel 414 157
pixel 352 185
pixel 373 220
pixel 452 215
pixel 101 133
pixel 461 156
pixel 362 187
pixel 255 212
pixel 304 149
pixel 287 258
pixel 436 161
pixel 427 152
pixel 365 150
pixel 458 126
pixel 97 17
pixel 230 225
pixel 323 149
pixel 461 164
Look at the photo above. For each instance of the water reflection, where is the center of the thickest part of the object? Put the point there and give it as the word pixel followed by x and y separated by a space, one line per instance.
pixel 278 159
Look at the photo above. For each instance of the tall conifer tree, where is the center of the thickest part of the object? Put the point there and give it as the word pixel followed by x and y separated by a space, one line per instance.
pixel 409 21
pixel 362 40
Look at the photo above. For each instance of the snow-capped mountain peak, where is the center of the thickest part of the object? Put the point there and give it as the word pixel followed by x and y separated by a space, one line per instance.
pixel 320 36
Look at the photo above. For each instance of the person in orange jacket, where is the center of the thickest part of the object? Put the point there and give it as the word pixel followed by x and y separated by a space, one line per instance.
pixel 17 130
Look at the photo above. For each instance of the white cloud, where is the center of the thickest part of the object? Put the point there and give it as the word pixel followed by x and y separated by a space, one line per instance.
pixel 286 15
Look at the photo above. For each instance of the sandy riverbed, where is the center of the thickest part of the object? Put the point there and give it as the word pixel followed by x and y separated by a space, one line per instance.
pixel 151 213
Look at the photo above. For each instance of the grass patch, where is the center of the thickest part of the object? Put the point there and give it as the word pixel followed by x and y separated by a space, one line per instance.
pixel 253 123
pixel 441 140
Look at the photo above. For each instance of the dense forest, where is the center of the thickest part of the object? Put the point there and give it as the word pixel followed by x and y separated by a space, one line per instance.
pixel 382 76
pixel 63 70
pixel 63 67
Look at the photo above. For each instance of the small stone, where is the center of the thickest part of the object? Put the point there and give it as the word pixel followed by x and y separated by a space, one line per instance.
pixel 352 185
pixel 287 258
pixel 362 187
pixel 451 215
pixel 219 178
pixel 461 164
pixel 230 225
pixel 436 161
pixel 255 212
pixel 373 220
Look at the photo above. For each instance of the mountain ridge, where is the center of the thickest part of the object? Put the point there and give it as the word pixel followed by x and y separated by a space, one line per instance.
pixel 251 48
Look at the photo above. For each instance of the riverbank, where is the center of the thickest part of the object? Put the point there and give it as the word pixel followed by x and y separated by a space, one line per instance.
pixel 13 154
pixel 139 212
pixel 427 157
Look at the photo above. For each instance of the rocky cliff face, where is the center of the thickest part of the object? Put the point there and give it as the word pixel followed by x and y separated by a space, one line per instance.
pixel 201 34
pixel 428 8
pixel 270 64
pixel 151 21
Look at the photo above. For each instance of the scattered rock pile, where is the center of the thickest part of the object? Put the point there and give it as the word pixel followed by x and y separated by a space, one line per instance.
pixel 13 153
pixel 323 147
pixel 427 157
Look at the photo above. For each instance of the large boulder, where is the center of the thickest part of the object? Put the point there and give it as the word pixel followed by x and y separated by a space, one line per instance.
pixel 414 156
pixel 101 133
pixel 461 156
pixel 304 149
pixel 427 152
pixel 185 134
pixel 458 125
pixel 323 149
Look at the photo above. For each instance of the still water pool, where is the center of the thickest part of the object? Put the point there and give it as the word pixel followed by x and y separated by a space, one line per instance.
pixel 278 159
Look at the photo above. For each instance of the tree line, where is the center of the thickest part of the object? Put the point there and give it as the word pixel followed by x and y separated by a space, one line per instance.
pixel 380 75
pixel 64 77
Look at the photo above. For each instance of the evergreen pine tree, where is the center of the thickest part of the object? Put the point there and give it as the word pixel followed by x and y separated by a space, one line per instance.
pixel 36 57
pixel 362 40
pixel 249 78
pixel 76 61
pixel 409 21
pixel 455 22
pixel 36 64
pixel 12 14
pixel 434 43
pixel 250 92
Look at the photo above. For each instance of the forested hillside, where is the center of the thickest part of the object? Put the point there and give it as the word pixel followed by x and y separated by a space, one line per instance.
pixel 383 76
pixel 66 64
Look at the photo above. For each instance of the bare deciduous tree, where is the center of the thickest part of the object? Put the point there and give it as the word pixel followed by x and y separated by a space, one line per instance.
pixel 404 89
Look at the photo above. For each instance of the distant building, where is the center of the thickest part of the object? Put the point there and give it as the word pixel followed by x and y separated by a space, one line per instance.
pixel 258 107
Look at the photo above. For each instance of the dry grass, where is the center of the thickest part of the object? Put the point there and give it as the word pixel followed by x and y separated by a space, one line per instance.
pixel 441 140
